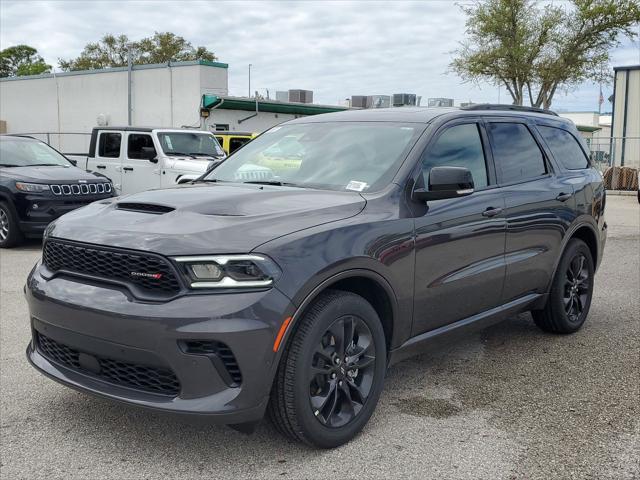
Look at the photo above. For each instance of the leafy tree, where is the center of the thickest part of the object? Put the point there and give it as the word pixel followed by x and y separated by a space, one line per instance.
pixel 22 60
pixel 112 51
pixel 535 50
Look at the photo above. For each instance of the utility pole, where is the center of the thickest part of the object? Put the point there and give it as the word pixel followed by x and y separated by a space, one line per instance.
pixel 249 80
pixel 129 68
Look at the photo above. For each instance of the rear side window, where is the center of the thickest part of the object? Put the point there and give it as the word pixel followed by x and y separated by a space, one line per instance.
pixel 458 146
pixel 109 145
pixel 136 143
pixel 515 152
pixel 565 148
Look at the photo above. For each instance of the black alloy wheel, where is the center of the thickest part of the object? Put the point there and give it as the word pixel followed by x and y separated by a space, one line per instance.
pixel 569 298
pixel 342 371
pixel 576 288
pixel 331 373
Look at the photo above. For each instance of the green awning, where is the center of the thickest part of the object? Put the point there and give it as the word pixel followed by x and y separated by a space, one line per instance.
pixel 234 103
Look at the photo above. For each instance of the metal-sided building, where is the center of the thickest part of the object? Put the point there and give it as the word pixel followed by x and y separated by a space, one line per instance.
pixel 625 123
pixel 62 108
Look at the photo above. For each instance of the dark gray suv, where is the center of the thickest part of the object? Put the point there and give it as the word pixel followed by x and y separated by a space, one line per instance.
pixel 290 277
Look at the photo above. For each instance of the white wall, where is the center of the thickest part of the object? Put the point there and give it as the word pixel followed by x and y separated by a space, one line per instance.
pixel 71 102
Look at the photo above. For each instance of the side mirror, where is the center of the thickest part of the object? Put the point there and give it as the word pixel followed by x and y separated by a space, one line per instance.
pixel 446 182
pixel 150 154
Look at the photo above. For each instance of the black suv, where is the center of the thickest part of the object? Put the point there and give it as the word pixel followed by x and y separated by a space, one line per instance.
pixel 37 185
pixel 290 285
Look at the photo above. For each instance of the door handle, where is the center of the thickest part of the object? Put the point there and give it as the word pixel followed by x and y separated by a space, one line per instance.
pixel 128 169
pixel 491 212
pixel 563 197
pixel 101 166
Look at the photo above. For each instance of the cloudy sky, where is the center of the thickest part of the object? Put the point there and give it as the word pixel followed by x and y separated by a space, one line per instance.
pixel 336 49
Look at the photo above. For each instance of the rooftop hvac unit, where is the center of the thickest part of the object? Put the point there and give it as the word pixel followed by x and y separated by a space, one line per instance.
pixel 378 101
pixel 359 101
pixel 440 102
pixel 400 99
pixel 301 96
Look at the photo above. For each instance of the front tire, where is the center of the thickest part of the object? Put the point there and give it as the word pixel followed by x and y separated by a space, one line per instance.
pixel 331 375
pixel 571 292
pixel 10 234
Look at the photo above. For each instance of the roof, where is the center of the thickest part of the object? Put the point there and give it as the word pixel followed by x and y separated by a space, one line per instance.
pixel 118 69
pixel 149 129
pixel 420 115
pixel 626 67
pixel 274 106
pixel 391 114
pixel 232 133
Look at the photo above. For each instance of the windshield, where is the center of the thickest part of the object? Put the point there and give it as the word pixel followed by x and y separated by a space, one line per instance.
pixel 24 152
pixel 333 156
pixel 190 143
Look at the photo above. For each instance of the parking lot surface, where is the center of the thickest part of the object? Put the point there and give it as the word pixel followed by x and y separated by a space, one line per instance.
pixel 508 402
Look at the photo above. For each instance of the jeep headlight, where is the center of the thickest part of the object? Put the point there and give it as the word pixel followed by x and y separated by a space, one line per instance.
pixel 229 271
pixel 32 187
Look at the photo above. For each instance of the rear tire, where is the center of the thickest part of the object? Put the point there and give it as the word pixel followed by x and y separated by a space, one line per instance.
pixel 10 234
pixel 571 291
pixel 332 372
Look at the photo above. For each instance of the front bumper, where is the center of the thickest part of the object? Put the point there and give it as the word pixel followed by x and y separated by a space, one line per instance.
pixel 106 323
pixel 36 211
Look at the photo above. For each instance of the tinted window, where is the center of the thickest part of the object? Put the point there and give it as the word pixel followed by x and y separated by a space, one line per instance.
pixel 236 143
pixel 458 146
pixel 136 142
pixel 565 148
pixel 109 145
pixel 515 151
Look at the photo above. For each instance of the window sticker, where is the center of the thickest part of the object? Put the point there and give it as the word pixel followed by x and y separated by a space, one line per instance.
pixel 356 186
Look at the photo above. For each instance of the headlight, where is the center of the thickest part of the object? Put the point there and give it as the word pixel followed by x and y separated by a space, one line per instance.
pixel 32 187
pixel 229 271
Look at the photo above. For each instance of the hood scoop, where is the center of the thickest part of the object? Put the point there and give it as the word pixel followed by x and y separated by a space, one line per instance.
pixel 152 208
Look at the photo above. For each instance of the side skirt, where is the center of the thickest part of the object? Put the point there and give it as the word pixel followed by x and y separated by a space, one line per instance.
pixel 445 334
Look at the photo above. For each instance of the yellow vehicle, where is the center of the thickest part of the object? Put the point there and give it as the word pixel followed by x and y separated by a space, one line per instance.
pixel 231 141
pixel 283 156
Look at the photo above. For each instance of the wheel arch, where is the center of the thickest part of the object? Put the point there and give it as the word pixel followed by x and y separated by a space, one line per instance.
pixel 583 231
pixel 370 285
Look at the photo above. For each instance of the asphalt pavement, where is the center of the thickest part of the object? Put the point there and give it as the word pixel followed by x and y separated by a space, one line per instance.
pixel 509 402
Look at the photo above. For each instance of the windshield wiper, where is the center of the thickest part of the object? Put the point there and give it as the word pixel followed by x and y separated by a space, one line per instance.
pixel 205 154
pixel 272 182
pixel 180 154
pixel 9 165
pixel 45 165
pixel 207 180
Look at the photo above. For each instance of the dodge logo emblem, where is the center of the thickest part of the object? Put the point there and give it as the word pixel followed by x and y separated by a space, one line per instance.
pixel 155 276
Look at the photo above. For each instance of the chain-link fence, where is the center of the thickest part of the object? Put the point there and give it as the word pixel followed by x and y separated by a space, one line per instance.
pixel 618 159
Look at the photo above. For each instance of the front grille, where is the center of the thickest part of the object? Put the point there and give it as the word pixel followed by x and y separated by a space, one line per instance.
pixel 149 273
pixel 219 349
pixel 144 207
pixel 140 377
pixel 81 189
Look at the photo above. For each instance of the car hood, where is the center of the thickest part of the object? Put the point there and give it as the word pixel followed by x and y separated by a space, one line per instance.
pixel 48 174
pixel 206 218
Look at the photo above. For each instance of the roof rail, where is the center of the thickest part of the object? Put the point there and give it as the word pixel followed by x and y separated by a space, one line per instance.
pixel 514 108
